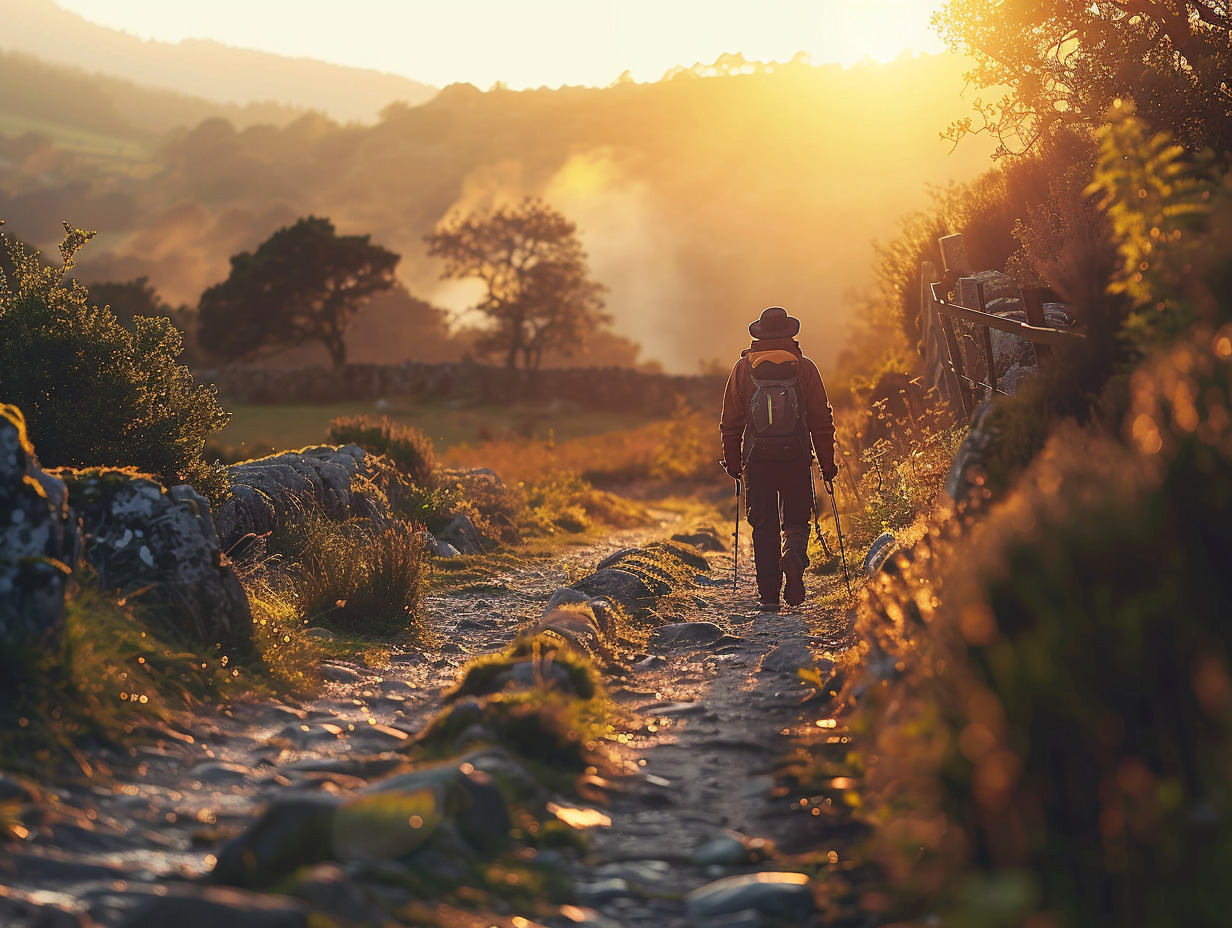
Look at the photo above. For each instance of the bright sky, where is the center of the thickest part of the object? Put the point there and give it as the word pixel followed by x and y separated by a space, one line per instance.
pixel 530 43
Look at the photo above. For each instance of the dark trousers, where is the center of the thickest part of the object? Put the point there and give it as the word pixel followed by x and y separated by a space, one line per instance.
pixel 779 497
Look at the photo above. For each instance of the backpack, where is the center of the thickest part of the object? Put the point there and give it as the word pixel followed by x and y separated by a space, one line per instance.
pixel 776 428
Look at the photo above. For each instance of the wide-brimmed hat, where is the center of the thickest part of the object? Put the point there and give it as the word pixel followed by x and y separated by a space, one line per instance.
pixel 775 323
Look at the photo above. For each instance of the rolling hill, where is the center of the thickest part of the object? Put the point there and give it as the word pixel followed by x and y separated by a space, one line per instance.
pixel 203 69
pixel 701 198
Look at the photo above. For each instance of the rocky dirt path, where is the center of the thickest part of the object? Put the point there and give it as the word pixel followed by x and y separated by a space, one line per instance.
pixel 709 716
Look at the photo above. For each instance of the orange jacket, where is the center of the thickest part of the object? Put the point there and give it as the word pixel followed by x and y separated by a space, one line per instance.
pixel 819 415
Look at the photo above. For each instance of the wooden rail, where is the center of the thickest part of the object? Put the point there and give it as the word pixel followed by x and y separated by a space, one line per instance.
pixel 1035 330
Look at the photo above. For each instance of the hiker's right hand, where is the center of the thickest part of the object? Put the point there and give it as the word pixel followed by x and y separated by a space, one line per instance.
pixel 829 472
pixel 733 470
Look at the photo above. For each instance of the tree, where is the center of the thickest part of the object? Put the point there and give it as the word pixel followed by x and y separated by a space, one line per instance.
pixel 92 392
pixel 304 283
pixel 539 296
pixel 1066 62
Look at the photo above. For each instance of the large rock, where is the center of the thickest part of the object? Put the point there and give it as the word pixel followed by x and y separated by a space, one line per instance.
pixel 139 536
pixel 782 894
pixel 686 634
pixel 213 906
pixel 706 538
pixel 270 493
pixel 38 541
pixel 619 585
pixel 1012 353
pixel 969 471
pixel 390 819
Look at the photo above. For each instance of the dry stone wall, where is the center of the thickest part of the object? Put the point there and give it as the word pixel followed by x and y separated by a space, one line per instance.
pixel 582 388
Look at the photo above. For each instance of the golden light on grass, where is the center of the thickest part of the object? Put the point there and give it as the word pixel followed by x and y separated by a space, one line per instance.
pixel 579 818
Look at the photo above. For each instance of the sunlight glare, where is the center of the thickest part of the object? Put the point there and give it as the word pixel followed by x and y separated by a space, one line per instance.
pixel 537 42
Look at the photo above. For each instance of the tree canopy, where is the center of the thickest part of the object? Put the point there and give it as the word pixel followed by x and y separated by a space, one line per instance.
pixel 1067 61
pixel 539 296
pixel 304 283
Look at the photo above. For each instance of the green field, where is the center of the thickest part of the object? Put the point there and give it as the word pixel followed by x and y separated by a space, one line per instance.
pixel 124 151
pixel 261 430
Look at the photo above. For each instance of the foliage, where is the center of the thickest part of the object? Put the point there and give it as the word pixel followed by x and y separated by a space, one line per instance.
pixel 94 393
pixel 564 501
pixel 1160 203
pixel 113 671
pixel 1064 62
pixel 481 675
pixel 686 446
pixel 896 488
pixel 304 283
pixel 1044 696
pixel 353 576
pixel 538 294
pixel 406 447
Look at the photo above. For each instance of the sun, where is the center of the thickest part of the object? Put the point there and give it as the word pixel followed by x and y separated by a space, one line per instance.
pixel 884 29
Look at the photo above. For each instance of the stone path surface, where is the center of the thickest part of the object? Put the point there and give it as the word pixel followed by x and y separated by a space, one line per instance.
pixel 698 831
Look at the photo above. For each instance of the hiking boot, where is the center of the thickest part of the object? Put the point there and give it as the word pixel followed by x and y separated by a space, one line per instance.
pixel 793 575
pixel 769 605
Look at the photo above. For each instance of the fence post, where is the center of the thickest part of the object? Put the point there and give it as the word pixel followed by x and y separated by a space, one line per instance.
pixel 954 255
pixel 990 362
pixel 1033 306
pixel 930 328
pixel 957 368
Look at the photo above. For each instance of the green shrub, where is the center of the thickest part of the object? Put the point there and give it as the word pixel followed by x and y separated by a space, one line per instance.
pixel 94 393
pixel 405 446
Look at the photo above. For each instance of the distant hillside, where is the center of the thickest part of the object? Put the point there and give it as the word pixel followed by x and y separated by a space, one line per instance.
pixel 701 200
pixel 201 69
pixel 64 102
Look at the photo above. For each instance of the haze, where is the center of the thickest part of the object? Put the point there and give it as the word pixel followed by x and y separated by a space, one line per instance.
pixel 537 43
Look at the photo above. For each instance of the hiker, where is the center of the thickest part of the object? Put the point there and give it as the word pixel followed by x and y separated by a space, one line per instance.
pixel 775 415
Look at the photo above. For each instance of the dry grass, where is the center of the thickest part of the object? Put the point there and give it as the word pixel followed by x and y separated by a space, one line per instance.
pixel 353 577
pixel 685 446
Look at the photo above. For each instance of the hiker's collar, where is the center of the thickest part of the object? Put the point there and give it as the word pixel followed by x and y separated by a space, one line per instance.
pixel 770 344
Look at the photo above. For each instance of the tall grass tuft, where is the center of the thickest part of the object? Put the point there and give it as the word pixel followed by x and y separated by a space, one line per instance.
pixel 357 578
pixel 407 448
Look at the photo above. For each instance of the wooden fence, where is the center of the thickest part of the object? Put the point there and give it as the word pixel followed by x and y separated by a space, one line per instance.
pixel 956 335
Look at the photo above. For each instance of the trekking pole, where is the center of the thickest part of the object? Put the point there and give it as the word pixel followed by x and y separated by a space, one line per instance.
pixel 736 536
pixel 839 529
pixel 814 468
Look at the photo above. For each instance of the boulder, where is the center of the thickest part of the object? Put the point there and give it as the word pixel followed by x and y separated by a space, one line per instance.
pixel 789 658
pixel 139 536
pixel 269 493
pixel 462 534
pixel 619 585
pixel 291 834
pixel 1010 351
pixel 616 557
pixel 565 596
pixel 389 819
pixel 211 906
pixel 466 793
pixel 782 894
pixel 706 538
pixel 686 634
pixel 38 541
pixel 329 889
pixel 968 472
